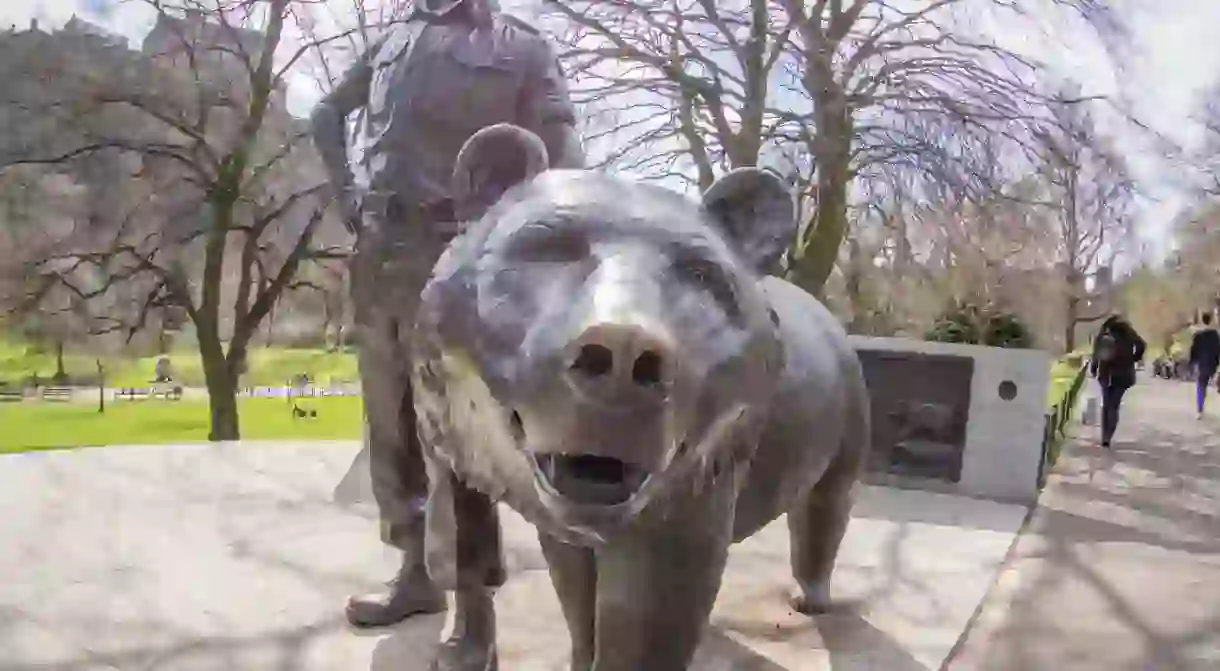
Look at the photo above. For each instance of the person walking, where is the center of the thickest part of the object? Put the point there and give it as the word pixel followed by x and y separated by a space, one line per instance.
pixel 1204 358
pixel 1116 350
pixel 432 81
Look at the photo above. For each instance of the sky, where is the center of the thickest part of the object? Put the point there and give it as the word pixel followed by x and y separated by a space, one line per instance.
pixel 1170 60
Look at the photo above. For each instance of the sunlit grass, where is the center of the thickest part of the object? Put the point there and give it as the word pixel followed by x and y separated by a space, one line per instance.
pixel 268 366
pixel 36 425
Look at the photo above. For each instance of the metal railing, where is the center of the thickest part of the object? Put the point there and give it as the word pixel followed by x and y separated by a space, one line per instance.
pixel 1056 422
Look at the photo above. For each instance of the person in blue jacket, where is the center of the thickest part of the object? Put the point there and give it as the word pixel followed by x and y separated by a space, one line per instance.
pixel 1205 359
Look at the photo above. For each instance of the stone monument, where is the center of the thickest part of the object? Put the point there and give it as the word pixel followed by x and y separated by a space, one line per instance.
pixel 954 418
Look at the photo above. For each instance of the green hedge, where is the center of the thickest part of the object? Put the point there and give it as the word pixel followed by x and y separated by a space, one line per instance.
pixel 1061 412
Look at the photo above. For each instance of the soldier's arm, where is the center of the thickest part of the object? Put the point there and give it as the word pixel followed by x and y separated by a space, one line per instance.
pixel 546 108
pixel 328 122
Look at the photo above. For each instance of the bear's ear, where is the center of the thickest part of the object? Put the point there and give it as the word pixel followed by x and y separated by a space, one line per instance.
pixel 492 161
pixel 755 210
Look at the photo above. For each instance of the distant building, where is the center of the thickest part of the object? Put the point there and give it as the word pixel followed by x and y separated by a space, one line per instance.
pixel 223 56
pixel 79 26
pixel 174 38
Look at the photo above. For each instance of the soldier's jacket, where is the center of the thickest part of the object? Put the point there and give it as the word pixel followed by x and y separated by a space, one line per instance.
pixel 432 82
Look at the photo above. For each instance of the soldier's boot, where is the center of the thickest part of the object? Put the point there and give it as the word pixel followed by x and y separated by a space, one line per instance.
pixel 411 592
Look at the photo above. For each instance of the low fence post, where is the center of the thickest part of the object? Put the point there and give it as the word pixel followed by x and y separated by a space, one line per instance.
pixel 1048 436
pixel 1057 420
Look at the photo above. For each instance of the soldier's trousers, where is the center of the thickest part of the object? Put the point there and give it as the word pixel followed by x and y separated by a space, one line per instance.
pixel 394 258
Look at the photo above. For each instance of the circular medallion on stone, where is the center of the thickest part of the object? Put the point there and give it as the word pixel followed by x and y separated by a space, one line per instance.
pixel 1008 390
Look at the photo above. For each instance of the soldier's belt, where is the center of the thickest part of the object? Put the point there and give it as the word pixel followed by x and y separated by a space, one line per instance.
pixel 434 211
pixel 438 215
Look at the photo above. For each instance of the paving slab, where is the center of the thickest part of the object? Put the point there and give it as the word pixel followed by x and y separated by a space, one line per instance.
pixel 235 556
pixel 1120 566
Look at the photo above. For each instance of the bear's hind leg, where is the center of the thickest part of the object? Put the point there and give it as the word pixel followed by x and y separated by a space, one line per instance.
pixel 816 527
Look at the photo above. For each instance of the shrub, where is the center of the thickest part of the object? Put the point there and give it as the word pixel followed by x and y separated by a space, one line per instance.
pixel 970 324
pixel 1006 330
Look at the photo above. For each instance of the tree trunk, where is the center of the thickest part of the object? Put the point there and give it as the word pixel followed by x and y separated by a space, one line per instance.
pixel 854 287
pixel 327 318
pixel 222 400
pixel 1069 331
pixel 101 386
pixel 222 387
pixel 60 373
pixel 832 150
pixel 821 249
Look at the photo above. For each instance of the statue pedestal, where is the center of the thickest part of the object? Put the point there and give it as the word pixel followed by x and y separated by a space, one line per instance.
pixel 903 599
pixel 234 556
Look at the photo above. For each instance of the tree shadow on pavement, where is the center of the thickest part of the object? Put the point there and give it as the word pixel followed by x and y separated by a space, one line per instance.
pixel 849 641
pixel 1120 568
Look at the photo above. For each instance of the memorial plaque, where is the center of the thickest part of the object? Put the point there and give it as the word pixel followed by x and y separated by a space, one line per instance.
pixel 920 408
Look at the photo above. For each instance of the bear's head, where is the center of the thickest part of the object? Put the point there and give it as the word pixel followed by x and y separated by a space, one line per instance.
pixel 591 345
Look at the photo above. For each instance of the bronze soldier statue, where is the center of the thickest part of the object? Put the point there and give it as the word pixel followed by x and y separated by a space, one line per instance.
pixel 452 68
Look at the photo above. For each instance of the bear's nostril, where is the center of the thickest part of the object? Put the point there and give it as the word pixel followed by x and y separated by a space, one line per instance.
pixel 646 371
pixel 594 361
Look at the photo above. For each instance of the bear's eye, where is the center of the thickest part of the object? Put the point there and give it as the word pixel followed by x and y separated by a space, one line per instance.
pixel 548 244
pixel 708 276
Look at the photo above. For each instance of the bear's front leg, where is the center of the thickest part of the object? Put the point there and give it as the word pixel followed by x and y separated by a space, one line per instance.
pixel 574 575
pixel 656 584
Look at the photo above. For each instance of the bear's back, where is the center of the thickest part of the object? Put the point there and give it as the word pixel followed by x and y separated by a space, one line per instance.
pixel 820 382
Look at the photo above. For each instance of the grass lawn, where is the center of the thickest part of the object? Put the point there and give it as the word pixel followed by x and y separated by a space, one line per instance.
pixel 40 426
pixel 268 366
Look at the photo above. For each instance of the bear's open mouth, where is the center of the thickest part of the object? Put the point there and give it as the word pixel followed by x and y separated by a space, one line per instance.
pixel 591 479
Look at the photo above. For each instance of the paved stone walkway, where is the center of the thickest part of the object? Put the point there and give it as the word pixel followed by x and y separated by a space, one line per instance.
pixel 1120 568
pixel 234 557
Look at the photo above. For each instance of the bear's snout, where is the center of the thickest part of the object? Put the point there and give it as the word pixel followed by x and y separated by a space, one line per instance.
pixel 619 364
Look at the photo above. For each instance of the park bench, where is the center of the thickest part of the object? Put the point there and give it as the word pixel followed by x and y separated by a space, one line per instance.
pixel 266 392
pixel 132 394
pixel 57 394
pixel 170 392
pixel 11 395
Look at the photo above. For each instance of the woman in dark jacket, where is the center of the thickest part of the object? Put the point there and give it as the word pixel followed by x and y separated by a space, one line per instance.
pixel 1116 350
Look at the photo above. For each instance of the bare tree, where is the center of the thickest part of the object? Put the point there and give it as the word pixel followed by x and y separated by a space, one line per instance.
pixel 1093 193
pixel 673 89
pixel 235 197
pixel 1158 300
pixel 691 86
pixel 1208 159
pixel 1196 261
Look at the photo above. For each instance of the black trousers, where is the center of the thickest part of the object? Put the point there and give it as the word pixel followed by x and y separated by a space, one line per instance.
pixel 1111 402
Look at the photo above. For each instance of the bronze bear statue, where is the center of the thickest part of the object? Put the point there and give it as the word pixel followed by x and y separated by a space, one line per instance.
pixel 611 359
